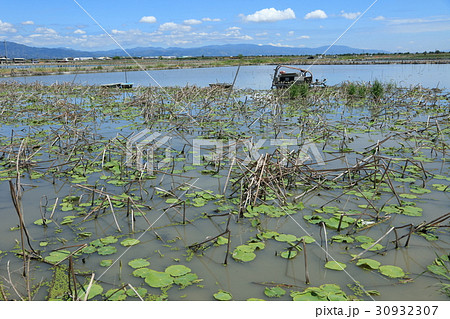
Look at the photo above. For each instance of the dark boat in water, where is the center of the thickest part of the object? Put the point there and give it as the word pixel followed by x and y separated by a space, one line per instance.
pixel 282 79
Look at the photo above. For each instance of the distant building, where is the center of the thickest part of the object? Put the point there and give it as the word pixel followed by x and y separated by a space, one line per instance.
pixel 19 60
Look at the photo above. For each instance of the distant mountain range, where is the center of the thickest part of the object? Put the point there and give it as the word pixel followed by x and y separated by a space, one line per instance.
pixel 15 50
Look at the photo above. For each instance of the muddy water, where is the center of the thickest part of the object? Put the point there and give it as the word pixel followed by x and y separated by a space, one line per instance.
pixel 166 242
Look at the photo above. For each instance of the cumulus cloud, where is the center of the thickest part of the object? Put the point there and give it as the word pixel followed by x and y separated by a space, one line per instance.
pixel 192 21
pixel 6 27
pixel 211 20
pixel 269 15
pixel 350 15
pixel 303 37
pixel 316 14
pixel 79 31
pixel 379 18
pixel 171 26
pixel 45 30
pixel 29 22
pixel 115 31
pixel 148 19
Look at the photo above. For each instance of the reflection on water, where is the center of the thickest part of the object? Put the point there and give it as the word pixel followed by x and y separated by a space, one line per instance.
pixel 260 77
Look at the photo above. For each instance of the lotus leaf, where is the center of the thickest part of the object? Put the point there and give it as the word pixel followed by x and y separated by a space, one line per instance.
pixel 138 263
pixel 185 280
pixel 57 256
pixel 289 254
pixel 274 292
pixel 89 250
pixel 223 295
pixel 106 262
pixel 391 271
pixel 109 240
pixel 95 290
pixel 141 291
pixel 130 242
pixel 141 272
pixel 439 270
pixel 411 210
pixel 368 263
pixel 375 247
pixel 158 279
pixel 177 270
pixel 335 265
pixel 107 250
pixel 286 238
pixel 116 295
pixel 41 222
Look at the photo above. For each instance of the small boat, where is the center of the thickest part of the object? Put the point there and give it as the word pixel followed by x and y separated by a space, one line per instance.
pixel 221 85
pixel 282 79
pixel 118 85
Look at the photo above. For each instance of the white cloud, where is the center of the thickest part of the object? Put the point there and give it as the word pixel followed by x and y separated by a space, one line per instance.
pixel 211 20
pixel 45 30
pixel 148 19
pixel 29 22
pixel 6 27
pixel 379 18
pixel 79 31
pixel 233 28
pixel 115 31
pixel 281 45
pixel 192 22
pixel 316 14
pixel 171 26
pixel 303 37
pixel 269 15
pixel 291 33
pixel 350 15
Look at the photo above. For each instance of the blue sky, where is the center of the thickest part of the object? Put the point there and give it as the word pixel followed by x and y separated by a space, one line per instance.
pixel 392 25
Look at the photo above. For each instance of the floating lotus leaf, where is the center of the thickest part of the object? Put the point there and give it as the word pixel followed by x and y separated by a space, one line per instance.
pixel 307 296
pixel 106 262
pixel 286 238
pixel 95 290
pixel 243 255
pixel 335 265
pixel 269 234
pixel 222 240
pixel 130 242
pixel 439 270
pixel 107 250
pixel 257 245
pixel 391 271
pixel 116 295
pixel 255 299
pixel 375 247
pixel 308 239
pixel 141 272
pixel 420 190
pixel 441 187
pixel 368 263
pixel 109 240
pixel 158 279
pixel 185 280
pixel 141 291
pixel 364 239
pixel 274 292
pixel 57 256
pixel 342 239
pixel 138 263
pixel 222 295
pixel 172 200
pixel 289 254
pixel 411 210
pixel 89 250
pixel 177 270
pixel 409 196
pixel 40 222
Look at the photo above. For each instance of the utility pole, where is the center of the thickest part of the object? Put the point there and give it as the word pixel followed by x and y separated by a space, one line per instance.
pixel 6 52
